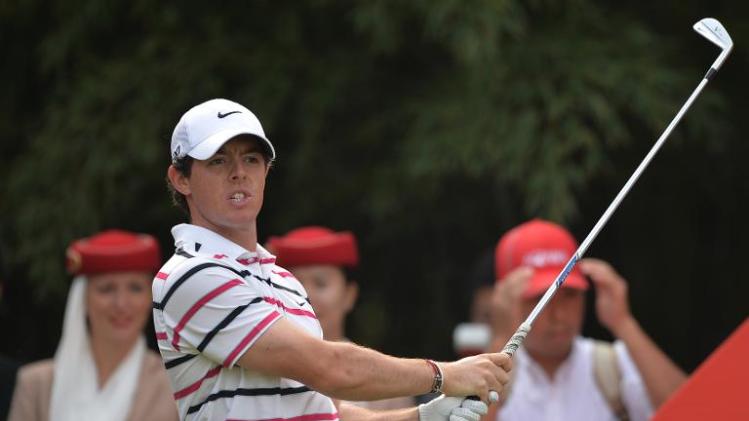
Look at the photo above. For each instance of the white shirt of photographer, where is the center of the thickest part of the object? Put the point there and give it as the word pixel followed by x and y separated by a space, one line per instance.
pixel 573 393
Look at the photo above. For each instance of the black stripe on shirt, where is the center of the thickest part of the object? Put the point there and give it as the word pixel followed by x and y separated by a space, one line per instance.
pixel 207 339
pixel 187 275
pixel 177 361
pixel 264 391
pixel 244 273
pixel 277 286
pixel 183 253
pixel 225 322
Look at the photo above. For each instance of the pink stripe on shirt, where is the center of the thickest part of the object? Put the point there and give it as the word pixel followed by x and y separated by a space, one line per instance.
pixel 250 336
pixel 283 274
pixel 263 261
pixel 195 386
pixel 308 417
pixel 295 311
pixel 195 307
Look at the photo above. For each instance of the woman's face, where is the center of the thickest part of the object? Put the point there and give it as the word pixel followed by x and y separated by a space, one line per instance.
pixel 118 305
pixel 331 296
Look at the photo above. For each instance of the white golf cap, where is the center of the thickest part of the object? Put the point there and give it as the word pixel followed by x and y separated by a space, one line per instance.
pixel 205 127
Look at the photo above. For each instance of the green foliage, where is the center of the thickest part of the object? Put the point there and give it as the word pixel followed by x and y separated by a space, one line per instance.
pixel 438 121
pixel 526 95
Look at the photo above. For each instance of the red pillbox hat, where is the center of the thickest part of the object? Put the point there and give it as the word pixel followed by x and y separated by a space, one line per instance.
pixel 113 251
pixel 315 246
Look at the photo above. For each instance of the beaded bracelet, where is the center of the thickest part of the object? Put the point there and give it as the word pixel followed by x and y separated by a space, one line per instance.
pixel 438 377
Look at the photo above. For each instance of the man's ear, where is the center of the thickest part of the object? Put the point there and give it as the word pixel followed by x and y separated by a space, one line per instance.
pixel 178 180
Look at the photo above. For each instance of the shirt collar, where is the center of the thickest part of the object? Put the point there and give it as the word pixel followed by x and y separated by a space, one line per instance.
pixel 198 240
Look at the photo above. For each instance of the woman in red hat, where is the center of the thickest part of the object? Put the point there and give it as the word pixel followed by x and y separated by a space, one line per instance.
pixel 323 261
pixel 102 369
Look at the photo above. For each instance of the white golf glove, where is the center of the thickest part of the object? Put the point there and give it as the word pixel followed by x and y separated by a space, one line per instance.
pixel 469 410
pixel 449 408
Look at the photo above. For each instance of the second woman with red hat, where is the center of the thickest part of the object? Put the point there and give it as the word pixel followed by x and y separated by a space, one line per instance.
pixel 102 369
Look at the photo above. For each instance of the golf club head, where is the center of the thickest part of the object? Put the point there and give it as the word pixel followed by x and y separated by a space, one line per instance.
pixel 715 32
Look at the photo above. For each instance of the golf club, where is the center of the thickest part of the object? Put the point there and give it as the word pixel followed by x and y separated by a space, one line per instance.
pixel 712 30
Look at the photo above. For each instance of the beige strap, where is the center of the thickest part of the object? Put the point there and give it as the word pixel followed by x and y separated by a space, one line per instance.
pixel 608 377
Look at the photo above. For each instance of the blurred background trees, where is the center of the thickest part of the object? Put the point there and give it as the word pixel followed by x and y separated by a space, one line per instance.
pixel 426 127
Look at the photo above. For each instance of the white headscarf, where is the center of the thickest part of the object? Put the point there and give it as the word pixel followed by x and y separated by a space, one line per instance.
pixel 75 392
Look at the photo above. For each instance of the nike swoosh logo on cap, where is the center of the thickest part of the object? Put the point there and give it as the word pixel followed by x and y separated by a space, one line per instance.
pixel 219 115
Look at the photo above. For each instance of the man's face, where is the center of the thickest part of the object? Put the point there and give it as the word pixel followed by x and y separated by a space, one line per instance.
pixel 225 192
pixel 556 326
pixel 331 296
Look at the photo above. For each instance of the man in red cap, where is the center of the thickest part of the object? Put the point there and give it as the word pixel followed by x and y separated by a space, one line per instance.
pixel 102 368
pixel 324 261
pixel 236 331
pixel 558 374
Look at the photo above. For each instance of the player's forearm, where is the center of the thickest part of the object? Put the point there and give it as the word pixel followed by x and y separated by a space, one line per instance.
pixel 356 373
pixel 349 412
pixel 661 376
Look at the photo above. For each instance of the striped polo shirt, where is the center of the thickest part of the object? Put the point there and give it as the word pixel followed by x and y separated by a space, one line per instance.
pixel 212 300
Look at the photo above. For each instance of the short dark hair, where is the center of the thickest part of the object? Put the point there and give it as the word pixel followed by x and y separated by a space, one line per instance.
pixel 183 166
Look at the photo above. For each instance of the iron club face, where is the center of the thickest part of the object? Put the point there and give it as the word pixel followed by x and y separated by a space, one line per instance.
pixel 715 32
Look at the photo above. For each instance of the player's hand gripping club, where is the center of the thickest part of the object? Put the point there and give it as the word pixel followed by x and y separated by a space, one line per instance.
pixel 477 375
pixel 460 380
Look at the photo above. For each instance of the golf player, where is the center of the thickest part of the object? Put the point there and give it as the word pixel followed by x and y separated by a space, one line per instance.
pixel 237 333
pixel 558 374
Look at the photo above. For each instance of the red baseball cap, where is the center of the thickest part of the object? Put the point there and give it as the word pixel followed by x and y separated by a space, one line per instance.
pixel 315 245
pixel 113 251
pixel 543 246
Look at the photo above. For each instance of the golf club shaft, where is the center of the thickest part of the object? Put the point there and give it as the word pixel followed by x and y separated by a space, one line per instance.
pixel 519 336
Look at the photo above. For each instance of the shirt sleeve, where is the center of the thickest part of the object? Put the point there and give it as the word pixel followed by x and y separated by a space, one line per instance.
pixel 219 314
pixel 634 394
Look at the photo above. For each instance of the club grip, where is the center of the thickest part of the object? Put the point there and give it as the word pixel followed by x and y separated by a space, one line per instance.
pixel 512 345
pixel 516 340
